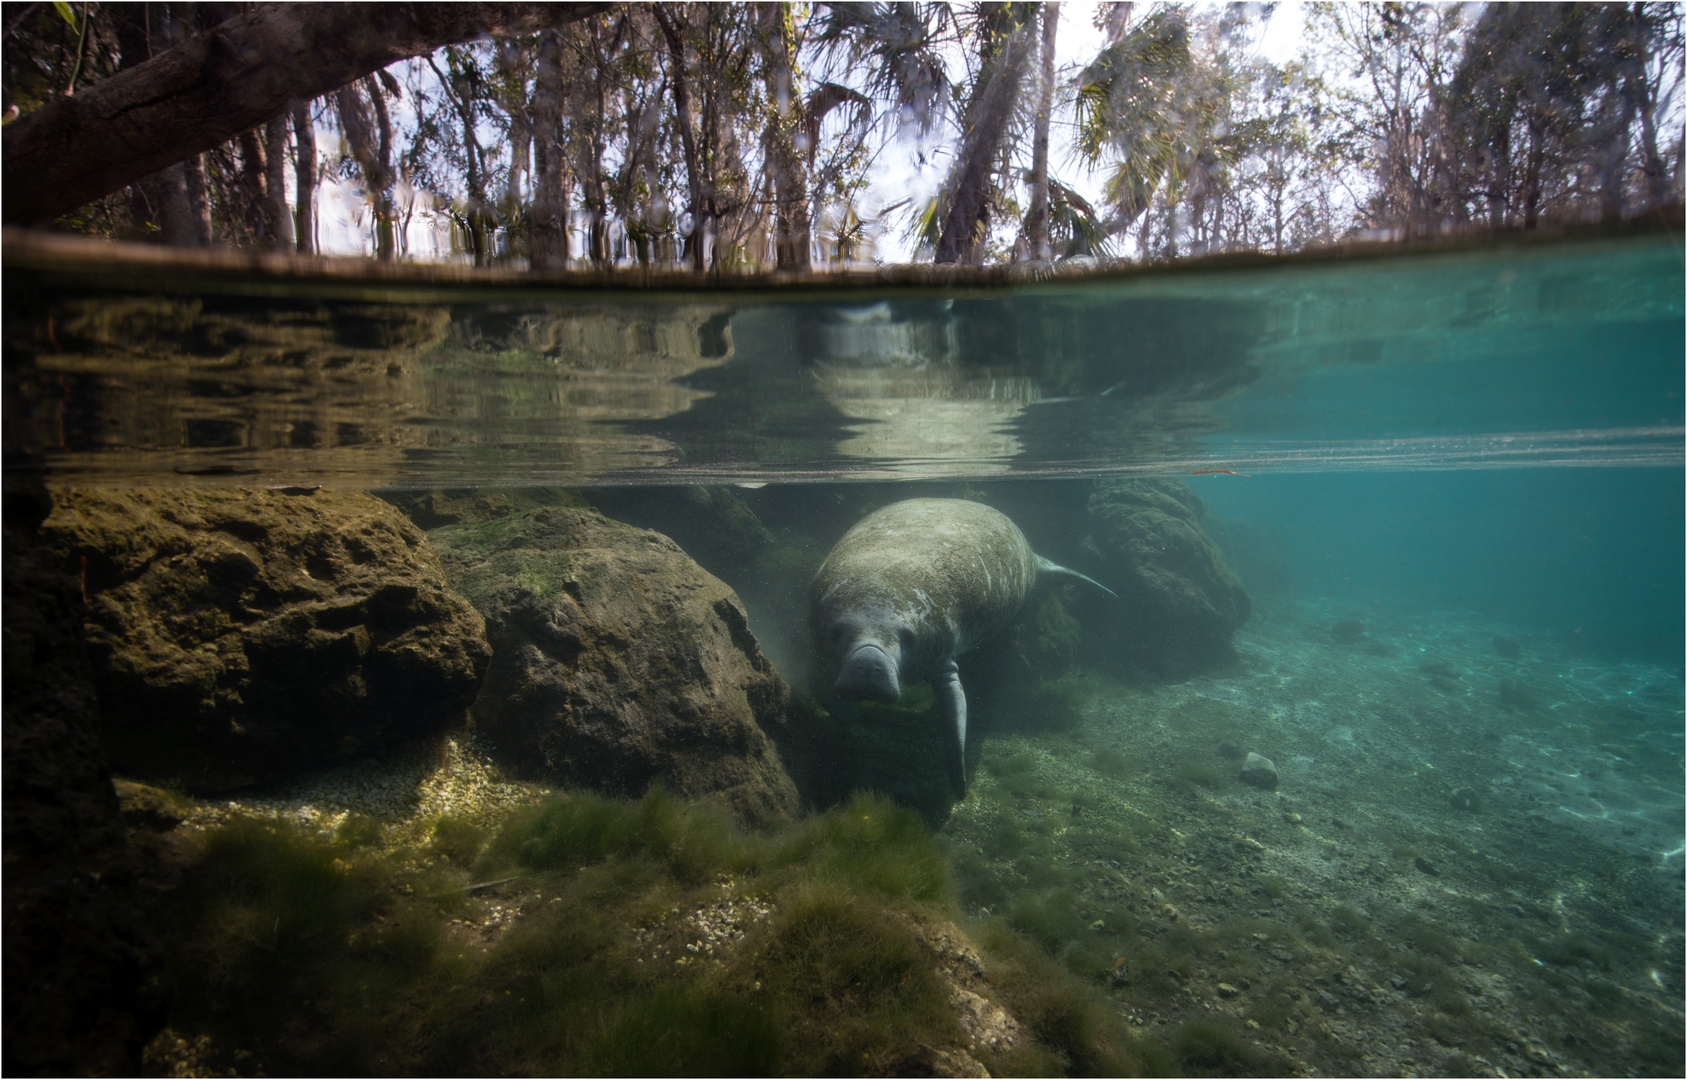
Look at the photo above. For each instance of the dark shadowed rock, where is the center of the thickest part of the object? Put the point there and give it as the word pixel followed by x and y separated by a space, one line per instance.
pixel 237 636
pixel 81 991
pixel 1259 771
pixel 618 662
pixel 1179 602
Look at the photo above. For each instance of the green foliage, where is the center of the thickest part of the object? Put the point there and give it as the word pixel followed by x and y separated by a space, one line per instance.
pixel 1349 921
pixel 1109 762
pixel 1216 1048
pixel 870 844
pixel 867 979
pixel 1019 776
pixel 692 841
pixel 1051 919
pixel 1194 774
pixel 1572 950
pixel 457 840
pixel 691 1030
pixel 323 954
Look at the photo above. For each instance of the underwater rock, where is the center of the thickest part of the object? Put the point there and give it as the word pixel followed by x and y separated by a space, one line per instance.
pixel 618 662
pixel 237 636
pixel 148 807
pixel 1508 648
pixel 1259 771
pixel 713 523
pixel 466 506
pixel 1179 602
pixel 80 987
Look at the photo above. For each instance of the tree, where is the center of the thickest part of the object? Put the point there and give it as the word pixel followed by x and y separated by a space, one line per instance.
pixel 222 81
pixel 1129 110
pixel 1037 226
pixel 1005 36
pixel 548 238
pixel 1552 110
pixel 1399 60
pixel 304 177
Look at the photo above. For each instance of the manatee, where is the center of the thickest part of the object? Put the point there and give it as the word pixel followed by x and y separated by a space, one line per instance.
pixel 914 585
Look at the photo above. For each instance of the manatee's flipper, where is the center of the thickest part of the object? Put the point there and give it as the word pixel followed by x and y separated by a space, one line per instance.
pixel 1046 567
pixel 954 701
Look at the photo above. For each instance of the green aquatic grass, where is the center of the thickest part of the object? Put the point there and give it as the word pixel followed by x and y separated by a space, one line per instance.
pixel 1019 776
pixel 318 954
pixel 691 840
pixel 1113 764
pixel 1218 1048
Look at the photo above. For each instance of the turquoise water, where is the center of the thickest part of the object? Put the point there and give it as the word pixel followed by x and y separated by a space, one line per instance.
pixel 1471 460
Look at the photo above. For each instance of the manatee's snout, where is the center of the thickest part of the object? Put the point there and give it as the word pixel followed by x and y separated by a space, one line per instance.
pixel 869 673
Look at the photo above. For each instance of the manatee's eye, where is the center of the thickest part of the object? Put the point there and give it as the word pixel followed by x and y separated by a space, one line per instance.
pixel 905 638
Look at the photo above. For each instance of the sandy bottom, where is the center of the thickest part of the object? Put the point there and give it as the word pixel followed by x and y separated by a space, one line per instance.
pixel 1472 863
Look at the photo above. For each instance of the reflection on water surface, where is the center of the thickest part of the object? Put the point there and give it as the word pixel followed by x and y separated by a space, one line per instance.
pixel 1552 353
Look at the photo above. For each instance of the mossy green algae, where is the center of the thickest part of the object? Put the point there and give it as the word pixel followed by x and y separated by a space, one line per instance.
pixel 315 954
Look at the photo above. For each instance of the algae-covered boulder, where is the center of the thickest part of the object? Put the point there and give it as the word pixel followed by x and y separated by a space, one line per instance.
pixel 239 635
pixel 1179 601
pixel 434 507
pixel 618 662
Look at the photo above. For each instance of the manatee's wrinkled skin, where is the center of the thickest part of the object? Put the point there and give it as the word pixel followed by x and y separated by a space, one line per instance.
pixel 911 587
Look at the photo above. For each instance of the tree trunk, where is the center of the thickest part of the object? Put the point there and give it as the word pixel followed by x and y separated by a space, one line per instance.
pixel 304 178
pixel 687 133
pixel 253 197
pixel 596 187
pixel 165 196
pixel 548 244
pixel 1532 164
pixel 223 81
pixel 275 184
pixel 1007 49
pixel 785 163
pixel 165 199
pixel 386 248
pixel 476 216
pixel 1039 221
pixel 1499 173
pixel 1612 175
pixel 198 201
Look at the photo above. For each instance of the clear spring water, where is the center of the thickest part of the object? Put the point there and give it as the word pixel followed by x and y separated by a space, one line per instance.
pixel 1449 447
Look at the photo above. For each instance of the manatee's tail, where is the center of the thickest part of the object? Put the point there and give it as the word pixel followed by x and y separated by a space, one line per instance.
pixel 1046 567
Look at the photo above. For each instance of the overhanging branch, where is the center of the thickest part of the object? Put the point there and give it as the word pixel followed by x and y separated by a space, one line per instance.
pixel 223 81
